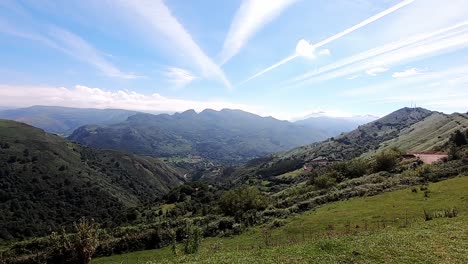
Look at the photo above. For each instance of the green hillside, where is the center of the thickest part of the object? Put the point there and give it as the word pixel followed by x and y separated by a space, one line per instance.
pixel 387 228
pixel 47 182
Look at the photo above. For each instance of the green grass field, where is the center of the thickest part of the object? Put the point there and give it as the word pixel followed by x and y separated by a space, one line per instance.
pixel 387 228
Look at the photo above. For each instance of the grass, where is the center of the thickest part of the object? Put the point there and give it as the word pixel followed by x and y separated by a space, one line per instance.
pixel 388 228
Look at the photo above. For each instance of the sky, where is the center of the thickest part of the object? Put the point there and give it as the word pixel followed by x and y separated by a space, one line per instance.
pixel 280 58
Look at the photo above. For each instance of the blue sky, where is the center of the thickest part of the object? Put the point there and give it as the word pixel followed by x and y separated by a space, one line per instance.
pixel 285 58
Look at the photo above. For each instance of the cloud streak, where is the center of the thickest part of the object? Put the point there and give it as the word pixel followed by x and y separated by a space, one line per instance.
pixel 179 77
pixel 336 36
pixel 406 73
pixel 60 40
pixel 155 18
pixel 251 17
pixel 409 49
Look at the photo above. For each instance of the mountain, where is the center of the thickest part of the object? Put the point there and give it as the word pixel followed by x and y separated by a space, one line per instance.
pixel 410 129
pixel 227 136
pixel 63 120
pixel 365 138
pixel 333 126
pixel 47 181
pixel 429 134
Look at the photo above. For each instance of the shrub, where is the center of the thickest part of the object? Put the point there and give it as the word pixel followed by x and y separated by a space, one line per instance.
pixel 277 223
pixel 458 139
pixel 325 181
pixel 241 200
pixel 387 160
pixel 75 248
pixel 428 215
pixel 193 241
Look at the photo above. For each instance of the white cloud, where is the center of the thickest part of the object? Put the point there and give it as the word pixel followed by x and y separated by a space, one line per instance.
pixel 324 52
pixel 82 96
pixel 376 70
pixel 179 77
pixel 155 18
pixel 336 36
pixel 85 97
pixel 307 50
pixel 252 16
pixel 406 73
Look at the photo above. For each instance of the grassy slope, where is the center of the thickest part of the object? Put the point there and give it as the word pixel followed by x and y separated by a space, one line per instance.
pixel 304 238
pixel 434 131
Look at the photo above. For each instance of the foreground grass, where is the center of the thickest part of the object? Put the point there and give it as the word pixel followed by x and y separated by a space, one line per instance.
pixel 388 228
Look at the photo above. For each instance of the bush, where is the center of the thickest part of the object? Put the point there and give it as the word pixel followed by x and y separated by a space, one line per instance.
pixel 458 139
pixel 387 160
pixel 277 223
pixel 325 181
pixel 447 213
pixel 75 248
pixel 239 201
pixel 193 241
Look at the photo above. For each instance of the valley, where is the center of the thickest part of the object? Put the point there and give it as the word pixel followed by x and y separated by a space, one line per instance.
pixel 302 197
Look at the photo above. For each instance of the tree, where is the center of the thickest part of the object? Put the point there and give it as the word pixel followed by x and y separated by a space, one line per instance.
pixel 243 199
pixel 387 160
pixel 458 139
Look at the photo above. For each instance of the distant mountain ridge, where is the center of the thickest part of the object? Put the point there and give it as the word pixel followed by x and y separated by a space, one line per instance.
pixel 63 120
pixel 228 136
pixel 333 126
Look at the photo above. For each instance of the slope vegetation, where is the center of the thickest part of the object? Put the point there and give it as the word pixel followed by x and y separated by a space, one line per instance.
pixel 47 181
pixel 387 228
pixel 429 134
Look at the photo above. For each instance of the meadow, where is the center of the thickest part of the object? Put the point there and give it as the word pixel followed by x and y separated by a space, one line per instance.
pixel 386 228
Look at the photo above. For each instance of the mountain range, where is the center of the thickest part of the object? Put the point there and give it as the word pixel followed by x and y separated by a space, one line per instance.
pixel 226 136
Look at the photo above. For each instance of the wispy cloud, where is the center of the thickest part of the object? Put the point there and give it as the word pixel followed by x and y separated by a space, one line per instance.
pixel 249 19
pixel 81 50
pixel 376 70
pixel 179 77
pixel 415 47
pixel 155 18
pixel 335 37
pixel 61 40
pixel 443 90
pixel 407 73
pixel 449 77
